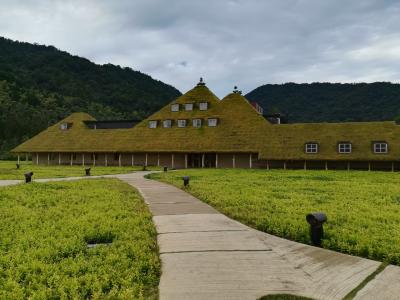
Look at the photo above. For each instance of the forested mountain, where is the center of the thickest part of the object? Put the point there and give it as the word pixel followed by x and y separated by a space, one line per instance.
pixel 330 102
pixel 40 85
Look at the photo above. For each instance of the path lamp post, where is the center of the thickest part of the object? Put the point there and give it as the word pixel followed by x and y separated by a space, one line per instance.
pixel 87 171
pixel 185 180
pixel 17 165
pixel 316 221
pixel 28 177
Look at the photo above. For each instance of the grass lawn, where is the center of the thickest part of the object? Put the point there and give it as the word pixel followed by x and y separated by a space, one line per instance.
pixel 8 170
pixel 363 208
pixel 45 229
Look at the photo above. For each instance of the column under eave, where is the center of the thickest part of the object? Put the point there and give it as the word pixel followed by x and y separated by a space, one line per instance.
pixel 83 159
pixel 18 158
pixel 202 160
pixel 106 160
pixel 158 159
pixel 172 161
pixel 119 159
pixel 70 159
pixel 233 161
pixel 146 160
pixel 48 158
pixel 216 160
pixel 59 158
pixel 186 161
pixel 133 159
pixel 251 161
pixel 37 158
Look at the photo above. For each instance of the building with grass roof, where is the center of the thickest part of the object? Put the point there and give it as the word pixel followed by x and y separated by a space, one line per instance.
pixel 198 130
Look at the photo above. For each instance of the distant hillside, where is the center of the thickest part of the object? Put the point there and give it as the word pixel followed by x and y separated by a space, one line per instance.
pixel 330 102
pixel 40 85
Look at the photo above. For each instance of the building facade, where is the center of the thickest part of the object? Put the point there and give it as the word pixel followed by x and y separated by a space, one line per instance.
pixel 198 130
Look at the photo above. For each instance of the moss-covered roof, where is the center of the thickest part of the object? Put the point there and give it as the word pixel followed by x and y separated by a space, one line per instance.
pixel 287 141
pixel 240 129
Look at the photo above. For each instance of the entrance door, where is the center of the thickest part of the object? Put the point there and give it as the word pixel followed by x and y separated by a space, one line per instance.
pixel 195 160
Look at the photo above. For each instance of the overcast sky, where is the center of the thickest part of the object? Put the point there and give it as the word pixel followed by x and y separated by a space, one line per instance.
pixel 229 42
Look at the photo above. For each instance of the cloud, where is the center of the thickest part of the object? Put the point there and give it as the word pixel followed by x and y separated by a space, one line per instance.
pixel 228 42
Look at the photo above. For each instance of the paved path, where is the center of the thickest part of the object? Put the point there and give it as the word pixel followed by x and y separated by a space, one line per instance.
pixel 206 255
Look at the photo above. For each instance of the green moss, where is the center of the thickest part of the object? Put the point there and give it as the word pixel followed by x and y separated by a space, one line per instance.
pixel 45 229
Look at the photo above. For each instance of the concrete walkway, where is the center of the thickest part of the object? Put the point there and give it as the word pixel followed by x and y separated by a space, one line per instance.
pixel 206 255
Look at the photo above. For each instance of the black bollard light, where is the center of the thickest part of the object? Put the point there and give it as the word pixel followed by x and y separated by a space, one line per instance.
pixel 185 180
pixel 87 171
pixel 165 168
pixel 18 166
pixel 316 221
pixel 28 177
pixel 144 168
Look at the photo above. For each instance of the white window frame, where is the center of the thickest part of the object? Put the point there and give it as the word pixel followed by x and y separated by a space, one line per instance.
pixel 203 105
pixel 64 126
pixel 212 122
pixel 167 123
pixel 311 148
pixel 196 123
pixel 188 106
pixel 381 147
pixel 182 123
pixel 153 124
pixel 175 107
pixel 345 148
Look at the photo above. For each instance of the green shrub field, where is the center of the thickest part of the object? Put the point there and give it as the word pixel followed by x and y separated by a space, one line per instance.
pixel 363 208
pixel 8 170
pixel 45 230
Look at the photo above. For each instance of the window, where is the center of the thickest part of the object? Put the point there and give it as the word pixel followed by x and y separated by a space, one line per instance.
pixel 65 126
pixel 167 123
pixel 189 106
pixel 203 106
pixel 181 123
pixel 344 147
pixel 380 147
pixel 311 148
pixel 175 107
pixel 196 123
pixel 152 124
pixel 212 122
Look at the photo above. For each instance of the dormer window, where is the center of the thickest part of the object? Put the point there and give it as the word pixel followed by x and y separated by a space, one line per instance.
pixel 188 106
pixel 203 105
pixel 212 122
pixel 153 124
pixel 175 107
pixel 65 126
pixel 181 123
pixel 196 123
pixel 344 147
pixel 167 123
pixel 311 148
pixel 380 147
